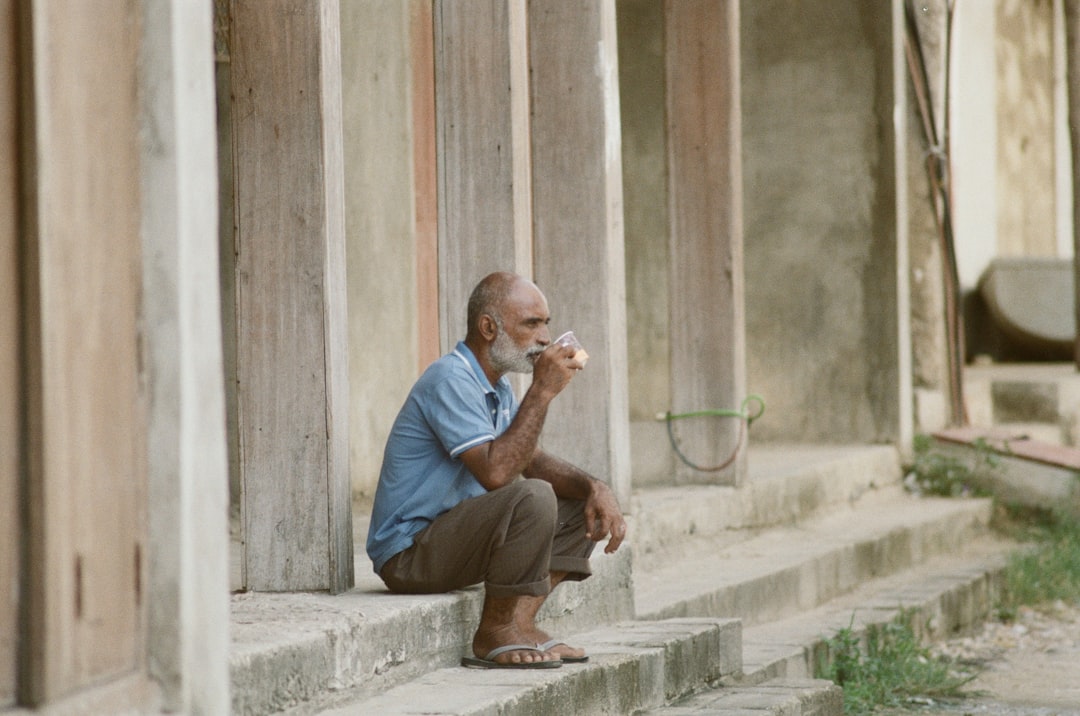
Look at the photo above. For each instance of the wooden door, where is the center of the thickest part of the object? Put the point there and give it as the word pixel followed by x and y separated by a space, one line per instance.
pixel 85 486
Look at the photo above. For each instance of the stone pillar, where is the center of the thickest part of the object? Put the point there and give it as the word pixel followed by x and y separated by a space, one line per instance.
pixel 708 342
pixel 482 126
pixel 577 225
pixel 188 565
pixel 291 317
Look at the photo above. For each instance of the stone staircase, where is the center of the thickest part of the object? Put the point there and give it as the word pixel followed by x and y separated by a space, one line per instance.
pixel 723 604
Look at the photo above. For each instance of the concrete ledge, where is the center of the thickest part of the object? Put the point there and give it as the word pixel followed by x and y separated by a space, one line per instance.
pixel 632 666
pixel 1030 473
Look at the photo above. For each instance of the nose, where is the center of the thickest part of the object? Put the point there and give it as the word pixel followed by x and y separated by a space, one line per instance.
pixel 544 336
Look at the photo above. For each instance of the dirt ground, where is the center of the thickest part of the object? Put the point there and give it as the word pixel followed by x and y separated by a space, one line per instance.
pixel 1030 667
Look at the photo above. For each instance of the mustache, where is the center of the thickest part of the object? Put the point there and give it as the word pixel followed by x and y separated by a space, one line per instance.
pixel 534 351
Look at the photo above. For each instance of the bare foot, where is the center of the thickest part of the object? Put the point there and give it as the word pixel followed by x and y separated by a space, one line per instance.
pixel 558 648
pixel 484 642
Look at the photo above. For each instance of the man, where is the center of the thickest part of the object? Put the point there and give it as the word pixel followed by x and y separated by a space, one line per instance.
pixel 466 496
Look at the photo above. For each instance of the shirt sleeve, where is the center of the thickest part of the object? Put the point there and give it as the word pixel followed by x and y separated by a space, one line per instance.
pixel 459 415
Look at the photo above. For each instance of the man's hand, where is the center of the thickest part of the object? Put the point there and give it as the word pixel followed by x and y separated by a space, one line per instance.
pixel 553 369
pixel 603 518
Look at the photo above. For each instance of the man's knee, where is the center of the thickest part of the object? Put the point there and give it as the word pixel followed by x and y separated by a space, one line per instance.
pixel 537 499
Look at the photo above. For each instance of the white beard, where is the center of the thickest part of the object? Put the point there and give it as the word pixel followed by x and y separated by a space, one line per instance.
pixel 506 357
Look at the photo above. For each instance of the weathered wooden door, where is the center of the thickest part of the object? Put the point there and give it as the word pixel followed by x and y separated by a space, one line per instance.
pixel 79 267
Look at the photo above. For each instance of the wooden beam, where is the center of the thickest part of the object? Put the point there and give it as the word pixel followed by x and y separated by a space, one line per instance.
pixel 482 124
pixel 291 323
pixel 10 398
pixel 577 226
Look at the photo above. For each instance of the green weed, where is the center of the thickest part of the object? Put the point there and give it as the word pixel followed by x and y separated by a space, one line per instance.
pixel 887 667
pixel 1048 568
pixel 932 472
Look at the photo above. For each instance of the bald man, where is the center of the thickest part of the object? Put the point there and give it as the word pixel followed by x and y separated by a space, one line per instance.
pixel 465 496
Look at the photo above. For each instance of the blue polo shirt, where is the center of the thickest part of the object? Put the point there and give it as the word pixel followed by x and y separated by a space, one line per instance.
pixel 451 408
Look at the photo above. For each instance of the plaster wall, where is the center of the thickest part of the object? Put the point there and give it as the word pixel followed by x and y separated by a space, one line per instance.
pixel 1026 138
pixel 973 137
pixel 379 224
pixel 820 231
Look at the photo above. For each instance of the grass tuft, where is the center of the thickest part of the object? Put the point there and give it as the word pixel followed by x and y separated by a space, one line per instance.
pixel 933 472
pixel 888 666
pixel 1048 568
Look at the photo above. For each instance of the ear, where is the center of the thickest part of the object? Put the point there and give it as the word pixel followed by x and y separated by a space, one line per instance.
pixel 488 327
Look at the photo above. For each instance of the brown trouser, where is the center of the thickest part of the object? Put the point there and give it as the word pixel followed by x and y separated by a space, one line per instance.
pixel 510 539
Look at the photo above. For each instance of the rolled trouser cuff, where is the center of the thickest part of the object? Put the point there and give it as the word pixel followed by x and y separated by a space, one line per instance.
pixel 576 568
pixel 533 589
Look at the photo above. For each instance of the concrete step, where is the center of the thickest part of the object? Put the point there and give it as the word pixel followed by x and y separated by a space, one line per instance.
pixel 786 570
pixel 632 666
pixel 946 596
pixel 808 525
pixel 784 483
pixel 777 697
pixel 291 648
pixel 949 595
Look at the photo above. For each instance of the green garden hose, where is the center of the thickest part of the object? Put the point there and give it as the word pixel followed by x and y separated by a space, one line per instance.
pixel 745 417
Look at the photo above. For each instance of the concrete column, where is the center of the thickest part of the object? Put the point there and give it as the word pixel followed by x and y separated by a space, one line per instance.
pixel 482 126
pixel 291 315
pixel 578 230
pixel 188 582
pixel 708 343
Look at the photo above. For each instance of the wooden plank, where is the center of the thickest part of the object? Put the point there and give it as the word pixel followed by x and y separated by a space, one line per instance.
pixel 86 472
pixel 9 357
pixel 1015 443
pixel 425 180
pixel 708 344
pixel 578 230
pixel 481 81
pixel 291 345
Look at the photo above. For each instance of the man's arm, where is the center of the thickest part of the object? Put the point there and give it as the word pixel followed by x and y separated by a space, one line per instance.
pixel 603 517
pixel 496 463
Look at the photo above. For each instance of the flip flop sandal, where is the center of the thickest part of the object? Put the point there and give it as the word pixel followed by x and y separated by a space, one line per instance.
pixel 488 662
pixel 547 646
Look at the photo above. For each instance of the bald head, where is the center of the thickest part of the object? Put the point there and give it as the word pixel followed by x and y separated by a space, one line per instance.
pixel 491 296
